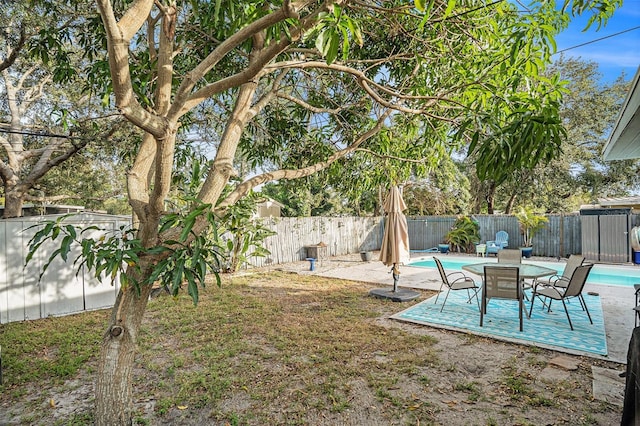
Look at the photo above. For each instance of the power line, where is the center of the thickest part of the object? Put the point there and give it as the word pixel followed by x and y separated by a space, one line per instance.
pixel 38 134
pixel 598 39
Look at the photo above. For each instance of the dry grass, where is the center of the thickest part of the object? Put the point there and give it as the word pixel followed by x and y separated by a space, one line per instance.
pixel 281 348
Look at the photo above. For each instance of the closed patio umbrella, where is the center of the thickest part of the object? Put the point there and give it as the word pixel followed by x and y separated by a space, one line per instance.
pixel 395 245
pixel 395 242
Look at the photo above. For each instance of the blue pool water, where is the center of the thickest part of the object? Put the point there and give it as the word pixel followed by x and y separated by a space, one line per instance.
pixel 625 276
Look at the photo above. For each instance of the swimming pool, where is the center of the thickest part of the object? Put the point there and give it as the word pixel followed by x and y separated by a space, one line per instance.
pixel 618 275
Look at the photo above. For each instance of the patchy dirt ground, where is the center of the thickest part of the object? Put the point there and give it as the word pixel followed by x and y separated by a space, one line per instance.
pixel 335 369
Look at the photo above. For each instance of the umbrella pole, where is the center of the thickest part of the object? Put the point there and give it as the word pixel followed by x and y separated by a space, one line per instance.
pixel 396 276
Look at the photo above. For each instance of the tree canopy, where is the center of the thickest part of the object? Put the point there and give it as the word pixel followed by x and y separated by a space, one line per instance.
pixel 294 87
pixel 45 117
pixel 579 175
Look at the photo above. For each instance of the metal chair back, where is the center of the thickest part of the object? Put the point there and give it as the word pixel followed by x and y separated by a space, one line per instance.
pixel 510 256
pixel 578 280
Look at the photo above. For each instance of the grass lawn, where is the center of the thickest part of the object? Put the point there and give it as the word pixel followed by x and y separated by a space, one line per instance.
pixel 281 348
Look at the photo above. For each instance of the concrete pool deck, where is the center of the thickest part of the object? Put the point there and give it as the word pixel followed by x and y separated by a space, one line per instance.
pixel 617 301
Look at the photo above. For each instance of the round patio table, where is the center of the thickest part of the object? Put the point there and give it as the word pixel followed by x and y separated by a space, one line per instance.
pixel 527 270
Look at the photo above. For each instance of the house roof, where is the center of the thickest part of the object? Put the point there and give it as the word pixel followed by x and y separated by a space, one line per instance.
pixel 620 202
pixel 624 140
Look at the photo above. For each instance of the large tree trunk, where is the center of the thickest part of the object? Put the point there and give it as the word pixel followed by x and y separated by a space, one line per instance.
pixel 13 201
pixel 114 401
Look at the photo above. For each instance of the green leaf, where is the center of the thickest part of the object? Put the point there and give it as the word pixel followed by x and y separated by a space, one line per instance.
pixel 202 270
pixel 46 265
pixel 420 5
pixel 355 32
pixel 32 251
pixel 321 41
pixel 177 278
pixel 216 13
pixel 333 48
pixel 168 222
pixel 192 287
pixel 158 250
pixel 157 271
pixel 187 226
pixel 65 247
pixel 451 4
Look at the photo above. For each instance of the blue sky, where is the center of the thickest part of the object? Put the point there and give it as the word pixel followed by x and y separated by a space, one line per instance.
pixel 614 54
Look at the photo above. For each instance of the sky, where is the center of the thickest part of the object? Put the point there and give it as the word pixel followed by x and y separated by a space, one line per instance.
pixel 614 54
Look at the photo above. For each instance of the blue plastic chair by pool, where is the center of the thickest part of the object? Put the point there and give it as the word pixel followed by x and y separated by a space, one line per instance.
pixel 501 241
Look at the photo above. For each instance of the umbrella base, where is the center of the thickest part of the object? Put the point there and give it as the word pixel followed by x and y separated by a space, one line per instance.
pixel 400 295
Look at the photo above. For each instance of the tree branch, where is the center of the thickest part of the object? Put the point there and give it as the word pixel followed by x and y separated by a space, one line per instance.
pixel 184 102
pixel 118 37
pixel 242 189
pixel 15 51
pixel 267 97
pixel 392 157
pixel 134 18
pixel 191 79
pixel 369 86
pixel 308 106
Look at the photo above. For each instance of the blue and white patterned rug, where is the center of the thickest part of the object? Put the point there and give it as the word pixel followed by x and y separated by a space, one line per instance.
pixel 543 329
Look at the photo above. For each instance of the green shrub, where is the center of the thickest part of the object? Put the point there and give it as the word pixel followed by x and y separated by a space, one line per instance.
pixel 464 234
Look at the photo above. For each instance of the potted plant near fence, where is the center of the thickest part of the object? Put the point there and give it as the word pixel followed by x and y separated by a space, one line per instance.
pixel 464 234
pixel 530 224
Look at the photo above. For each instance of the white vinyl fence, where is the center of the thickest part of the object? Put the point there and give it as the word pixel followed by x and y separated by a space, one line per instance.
pixel 60 291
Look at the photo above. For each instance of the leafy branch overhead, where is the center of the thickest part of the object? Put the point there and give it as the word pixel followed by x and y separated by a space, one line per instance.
pixel 117 255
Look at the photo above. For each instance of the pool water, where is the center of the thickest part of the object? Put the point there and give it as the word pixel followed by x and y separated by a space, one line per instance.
pixel 625 276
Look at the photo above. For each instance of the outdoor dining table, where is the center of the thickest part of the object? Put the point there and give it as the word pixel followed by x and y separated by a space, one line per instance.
pixel 527 270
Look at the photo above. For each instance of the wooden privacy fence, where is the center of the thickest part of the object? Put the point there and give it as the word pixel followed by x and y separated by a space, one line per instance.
pixel 341 235
pixel 561 236
pixel 60 291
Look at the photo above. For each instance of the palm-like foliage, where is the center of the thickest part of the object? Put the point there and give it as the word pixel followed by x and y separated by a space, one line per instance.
pixel 464 234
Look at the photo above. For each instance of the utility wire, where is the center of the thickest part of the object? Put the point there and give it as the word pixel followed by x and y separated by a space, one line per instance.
pixel 598 39
pixel 38 134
